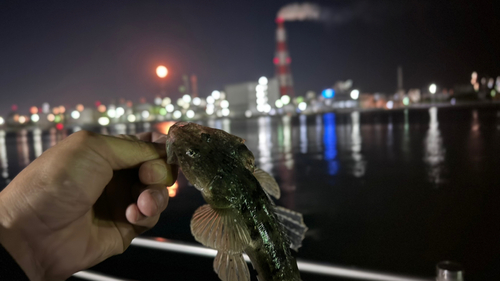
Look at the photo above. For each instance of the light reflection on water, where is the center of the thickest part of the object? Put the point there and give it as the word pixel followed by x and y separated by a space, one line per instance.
pixel 3 156
pixel 22 148
pixel 356 142
pixel 330 143
pixel 434 150
pixel 265 144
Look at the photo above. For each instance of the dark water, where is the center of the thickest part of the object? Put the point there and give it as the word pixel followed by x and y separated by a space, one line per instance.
pixel 392 191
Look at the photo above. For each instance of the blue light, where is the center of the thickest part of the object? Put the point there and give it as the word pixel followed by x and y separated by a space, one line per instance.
pixel 328 93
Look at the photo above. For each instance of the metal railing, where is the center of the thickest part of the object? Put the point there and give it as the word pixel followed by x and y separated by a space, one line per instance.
pixel 304 266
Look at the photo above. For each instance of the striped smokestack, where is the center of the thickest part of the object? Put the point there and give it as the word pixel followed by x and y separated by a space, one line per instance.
pixel 282 60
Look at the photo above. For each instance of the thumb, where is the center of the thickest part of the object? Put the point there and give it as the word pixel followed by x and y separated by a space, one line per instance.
pixel 118 152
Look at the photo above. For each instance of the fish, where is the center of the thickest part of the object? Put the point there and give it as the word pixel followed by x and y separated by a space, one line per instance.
pixel 240 216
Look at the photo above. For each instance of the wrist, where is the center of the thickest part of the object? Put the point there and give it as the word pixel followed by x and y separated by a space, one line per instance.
pixel 14 241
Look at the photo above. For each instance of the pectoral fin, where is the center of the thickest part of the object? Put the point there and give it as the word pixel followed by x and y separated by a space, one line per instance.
pixel 294 226
pixel 231 267
pixel 219 229
pixel 268 183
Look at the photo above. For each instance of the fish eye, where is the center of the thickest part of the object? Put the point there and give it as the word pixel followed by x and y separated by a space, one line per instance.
pixel 192 153
pixel 205 137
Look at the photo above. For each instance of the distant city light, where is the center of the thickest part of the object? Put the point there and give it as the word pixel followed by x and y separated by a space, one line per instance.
pixel 260 94
pixel 186 98
pixel 493 93
pixel 161 71
pixel 263 80
pixel 354 94
pixel 62 109
pixel 162 111
pixel 170 107
pixel 57 118
pixel 34 110
pixel 299 99
pixel 103 121
pixel 389 104
pixel 196 101
pixel 261 88
pixel 180 102
pixel 216 95
pixel 248 113
pixel 112 113
pixel 120 111
pixel 166 101
pixel 260 107
pixel 80 107
pixel 177 114
pixel 2 121
pixel 185 105
pixel 145 114
pixel 55 110
pixel 51 117
pixel 432 88
pixel 476 87
pixel 210 100
pixel 406 100
pixel 59 126
pixel 22 119
pixel 261 100
pixel 285 99
pixel 131 118
pixel 224 104
pixel 75 114
pixel 101 108
pixel 209 110
pixel 157 100
pixel 35 118
pixel 190 114
pixel 328 93
pixel 45 108
pixel 225 111
pixel 491 82
pixel 278 103
pixel 302 106
pixel 266 108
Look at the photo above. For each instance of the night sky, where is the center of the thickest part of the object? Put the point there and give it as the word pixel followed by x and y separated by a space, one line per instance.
pixel 67 52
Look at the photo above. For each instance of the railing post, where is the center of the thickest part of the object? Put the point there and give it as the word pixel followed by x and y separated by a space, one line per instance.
pixel 449 271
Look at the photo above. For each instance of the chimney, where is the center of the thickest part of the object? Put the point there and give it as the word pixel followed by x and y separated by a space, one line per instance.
pixel 282 60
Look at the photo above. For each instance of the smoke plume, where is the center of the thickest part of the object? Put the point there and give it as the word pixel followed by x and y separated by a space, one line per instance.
pixel 297 11
pixel 365 11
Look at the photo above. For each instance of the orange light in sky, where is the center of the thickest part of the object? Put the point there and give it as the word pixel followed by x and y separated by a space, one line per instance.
pixel 172 190
pixel 101 108
pixel 80 107
pixel 34 110
pixel 161 71
pixel 163 127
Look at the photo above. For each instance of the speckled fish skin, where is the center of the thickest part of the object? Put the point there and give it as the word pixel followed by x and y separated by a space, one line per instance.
pixel 221 167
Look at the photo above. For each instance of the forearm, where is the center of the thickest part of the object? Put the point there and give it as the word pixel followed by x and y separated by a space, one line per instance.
pixel 14 241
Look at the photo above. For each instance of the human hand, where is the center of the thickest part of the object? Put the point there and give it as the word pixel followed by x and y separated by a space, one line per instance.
pixel 83 201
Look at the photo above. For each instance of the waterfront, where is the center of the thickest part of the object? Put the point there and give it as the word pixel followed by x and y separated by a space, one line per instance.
pixel 394 191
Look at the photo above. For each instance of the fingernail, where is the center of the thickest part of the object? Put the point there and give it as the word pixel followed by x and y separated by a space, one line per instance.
pixel 158 173
pixel 158 198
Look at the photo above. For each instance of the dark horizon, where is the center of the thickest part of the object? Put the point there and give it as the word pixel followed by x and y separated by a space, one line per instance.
pixel 78 52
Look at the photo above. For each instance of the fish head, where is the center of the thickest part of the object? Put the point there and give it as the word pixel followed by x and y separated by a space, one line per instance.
pixel 205 154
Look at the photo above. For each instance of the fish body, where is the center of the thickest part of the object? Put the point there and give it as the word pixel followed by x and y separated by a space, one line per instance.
pixel 240 216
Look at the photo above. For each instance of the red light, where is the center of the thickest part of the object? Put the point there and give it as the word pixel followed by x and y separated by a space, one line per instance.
pixel 97 103
pixel 280 20
pixel 59 126
pixel 276 61
pixel 14 107
pixel 288 60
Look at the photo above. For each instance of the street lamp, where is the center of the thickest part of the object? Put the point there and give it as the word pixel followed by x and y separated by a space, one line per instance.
pixel 432 88
pixel 161 71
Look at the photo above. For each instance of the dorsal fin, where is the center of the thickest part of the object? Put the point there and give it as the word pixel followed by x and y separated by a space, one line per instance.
pixel 219 229
pixel 268 183
pixel 294 226
pixel 231 267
